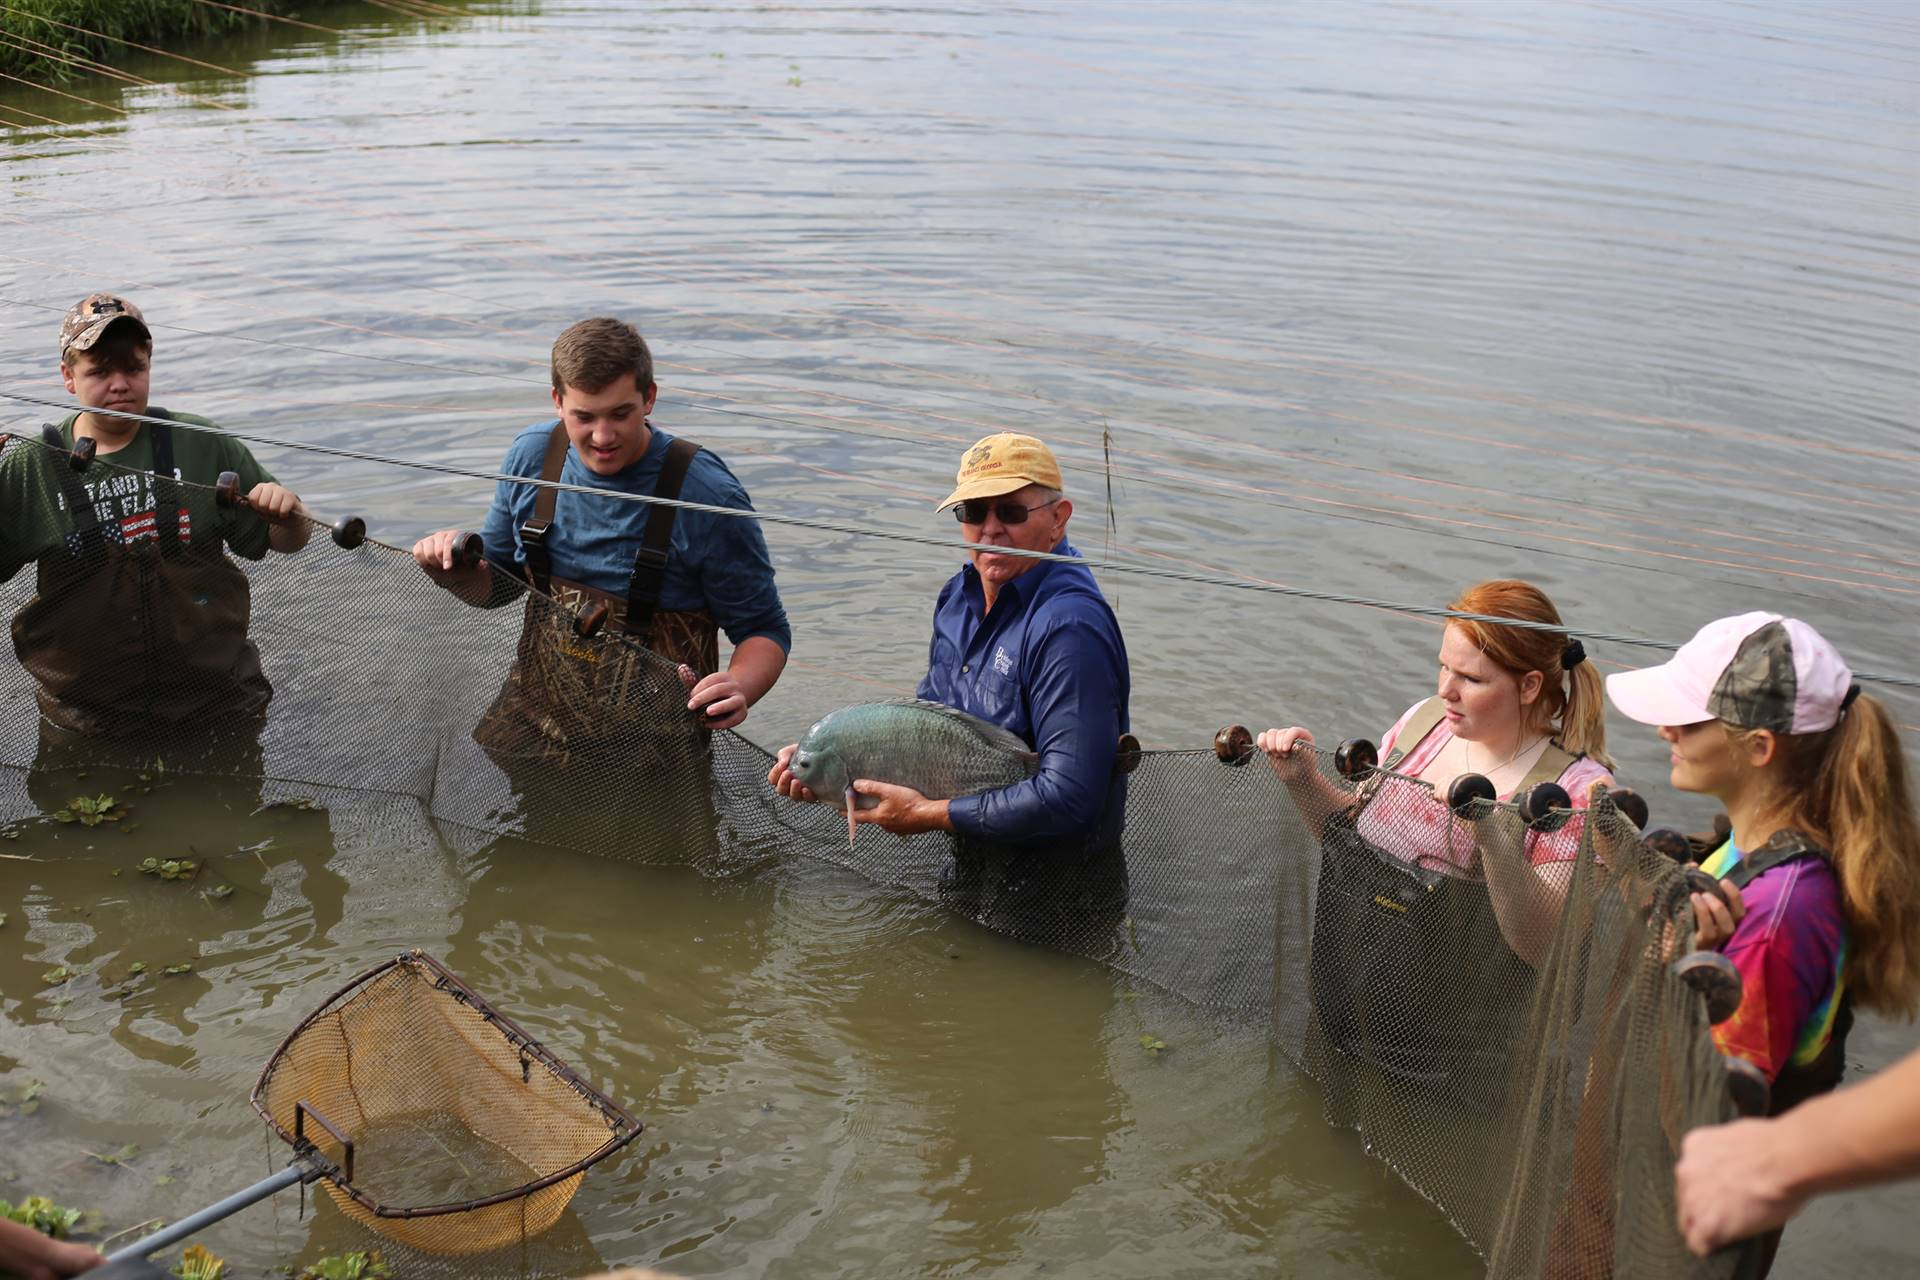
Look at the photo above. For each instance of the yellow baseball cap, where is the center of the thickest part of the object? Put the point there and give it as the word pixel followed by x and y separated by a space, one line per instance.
pixel 999 465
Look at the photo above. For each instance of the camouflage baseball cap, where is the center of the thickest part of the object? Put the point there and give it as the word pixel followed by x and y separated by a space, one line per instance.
pixel 92 316
pixel 1757 671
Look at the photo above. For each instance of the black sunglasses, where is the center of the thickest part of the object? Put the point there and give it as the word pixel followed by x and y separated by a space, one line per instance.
pixel 974 511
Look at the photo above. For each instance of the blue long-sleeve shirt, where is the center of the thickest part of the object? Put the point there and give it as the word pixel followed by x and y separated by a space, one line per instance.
pixel 718 563
pixel 1048 665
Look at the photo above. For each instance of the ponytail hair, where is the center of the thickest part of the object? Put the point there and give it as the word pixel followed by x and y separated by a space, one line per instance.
pixel 1572 703
pixel 1848 788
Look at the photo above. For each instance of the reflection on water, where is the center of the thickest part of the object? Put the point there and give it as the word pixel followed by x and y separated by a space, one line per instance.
pixel 1376 298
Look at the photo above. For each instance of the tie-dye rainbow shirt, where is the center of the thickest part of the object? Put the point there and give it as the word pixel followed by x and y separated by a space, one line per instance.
pixel 1790 949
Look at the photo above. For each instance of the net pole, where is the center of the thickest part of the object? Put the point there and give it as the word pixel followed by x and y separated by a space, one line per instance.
pixel 213 1213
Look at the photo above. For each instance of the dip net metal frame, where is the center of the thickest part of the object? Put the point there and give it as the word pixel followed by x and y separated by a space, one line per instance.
pixel 409 1038
pixel 1504 1022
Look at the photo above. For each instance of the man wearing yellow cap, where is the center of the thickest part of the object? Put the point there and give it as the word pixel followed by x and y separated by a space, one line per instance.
pixel 1032 646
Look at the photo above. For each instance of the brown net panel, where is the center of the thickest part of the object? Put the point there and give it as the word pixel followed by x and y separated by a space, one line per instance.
pixel 467 1136
pixel 1507 1036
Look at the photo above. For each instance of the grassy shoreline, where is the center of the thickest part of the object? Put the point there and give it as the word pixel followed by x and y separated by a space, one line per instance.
pixel 41 40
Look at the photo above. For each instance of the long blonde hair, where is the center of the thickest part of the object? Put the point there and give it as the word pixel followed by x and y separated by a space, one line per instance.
pixel 1847 787
pixel 1572 705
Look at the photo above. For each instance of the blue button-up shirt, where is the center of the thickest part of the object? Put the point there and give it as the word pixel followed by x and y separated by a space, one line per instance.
pixel 1048 665
pixel 718 563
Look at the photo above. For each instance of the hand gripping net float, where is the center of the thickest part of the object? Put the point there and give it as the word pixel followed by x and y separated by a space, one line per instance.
pixel 407 1082
pixel 1536 1091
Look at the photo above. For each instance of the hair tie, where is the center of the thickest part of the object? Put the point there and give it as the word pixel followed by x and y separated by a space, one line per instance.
pixel 1573 655
pixel 1853 691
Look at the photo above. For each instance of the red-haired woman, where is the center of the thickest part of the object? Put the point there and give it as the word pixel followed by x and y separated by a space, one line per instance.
pixel 1517 706
pixel 1762 714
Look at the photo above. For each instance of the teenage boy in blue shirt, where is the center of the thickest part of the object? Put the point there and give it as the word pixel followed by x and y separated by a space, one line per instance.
pixel 710 573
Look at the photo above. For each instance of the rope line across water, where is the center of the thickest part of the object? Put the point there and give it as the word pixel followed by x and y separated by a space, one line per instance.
pixel 944 544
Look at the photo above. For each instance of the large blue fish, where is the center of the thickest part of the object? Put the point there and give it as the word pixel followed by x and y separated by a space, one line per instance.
pixel 936 750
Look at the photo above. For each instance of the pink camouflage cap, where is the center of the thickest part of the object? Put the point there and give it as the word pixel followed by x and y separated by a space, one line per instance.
pixel 90 318
pixel 1757 671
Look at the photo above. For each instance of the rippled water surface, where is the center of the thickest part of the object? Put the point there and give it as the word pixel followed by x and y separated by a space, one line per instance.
pixel 1377 299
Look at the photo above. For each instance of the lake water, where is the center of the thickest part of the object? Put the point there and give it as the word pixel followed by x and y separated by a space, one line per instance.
pixel 1379 299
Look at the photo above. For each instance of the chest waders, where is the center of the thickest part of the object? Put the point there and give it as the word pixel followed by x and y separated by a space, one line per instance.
pixel 143 630
pixel 567 675
pixel 1410 971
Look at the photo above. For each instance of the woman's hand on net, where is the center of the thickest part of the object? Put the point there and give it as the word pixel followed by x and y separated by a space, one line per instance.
pixel 1713 920
pixel 781 778
pixel 1289 751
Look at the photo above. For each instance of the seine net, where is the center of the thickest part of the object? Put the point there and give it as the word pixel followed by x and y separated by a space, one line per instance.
pixel 467 1134
pixel 1492 1008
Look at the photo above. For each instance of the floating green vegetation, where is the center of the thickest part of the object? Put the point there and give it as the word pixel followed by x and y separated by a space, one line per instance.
pixel 170 868
pixel 3 919
pixel 364 1264
pixel 1153 1044
pixel 220 891
pixel 57 975
pixel 198 1263
pixel 21 1100
pixel 43 1215
pixel 91 811
pixel 115 1159
pixel 300 804
pixel 175 970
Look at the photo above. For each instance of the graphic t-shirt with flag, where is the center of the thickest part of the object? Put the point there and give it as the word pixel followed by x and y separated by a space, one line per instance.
pixel 120 485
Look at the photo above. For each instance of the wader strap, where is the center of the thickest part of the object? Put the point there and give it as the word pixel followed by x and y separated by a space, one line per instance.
pixel 1425 718
pixel 650 566
pixel 533 534
pixel 166 498
pixel 86 521
pixel 1785 847
pixel 1553 762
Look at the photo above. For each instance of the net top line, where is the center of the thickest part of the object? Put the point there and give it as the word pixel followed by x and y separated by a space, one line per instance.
pixel 1108 563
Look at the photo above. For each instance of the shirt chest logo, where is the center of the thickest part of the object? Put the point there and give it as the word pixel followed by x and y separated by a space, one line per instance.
pixel 1001 662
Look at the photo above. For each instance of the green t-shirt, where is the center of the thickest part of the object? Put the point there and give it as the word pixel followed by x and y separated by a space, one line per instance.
pixel 120 485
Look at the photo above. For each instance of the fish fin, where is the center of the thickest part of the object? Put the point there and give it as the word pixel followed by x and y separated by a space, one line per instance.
pixel 989 733
pixel 853 802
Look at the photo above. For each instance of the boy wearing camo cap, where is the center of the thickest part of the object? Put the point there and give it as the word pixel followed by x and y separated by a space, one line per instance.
pixel 140 618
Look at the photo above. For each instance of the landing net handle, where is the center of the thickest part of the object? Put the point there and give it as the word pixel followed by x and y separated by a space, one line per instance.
pixel 625 1128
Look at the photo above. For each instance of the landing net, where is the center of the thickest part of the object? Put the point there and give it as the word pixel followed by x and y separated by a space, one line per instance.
pixel 1529 1068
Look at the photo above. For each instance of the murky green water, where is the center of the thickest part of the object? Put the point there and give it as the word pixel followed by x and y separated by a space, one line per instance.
pixel 1373 298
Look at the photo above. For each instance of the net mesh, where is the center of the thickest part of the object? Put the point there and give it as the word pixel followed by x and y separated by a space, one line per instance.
pixel 1492 1011
pixel 467 1136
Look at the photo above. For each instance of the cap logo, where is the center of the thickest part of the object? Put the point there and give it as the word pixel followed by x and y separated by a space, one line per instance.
pixel 978 457
pixel 108 307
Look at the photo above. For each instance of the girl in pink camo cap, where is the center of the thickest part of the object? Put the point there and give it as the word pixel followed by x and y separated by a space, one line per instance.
pixel 1823 864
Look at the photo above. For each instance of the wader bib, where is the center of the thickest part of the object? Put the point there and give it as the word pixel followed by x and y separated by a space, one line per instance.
pixel 144 630
pixel 1409 970
pixel 570 694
